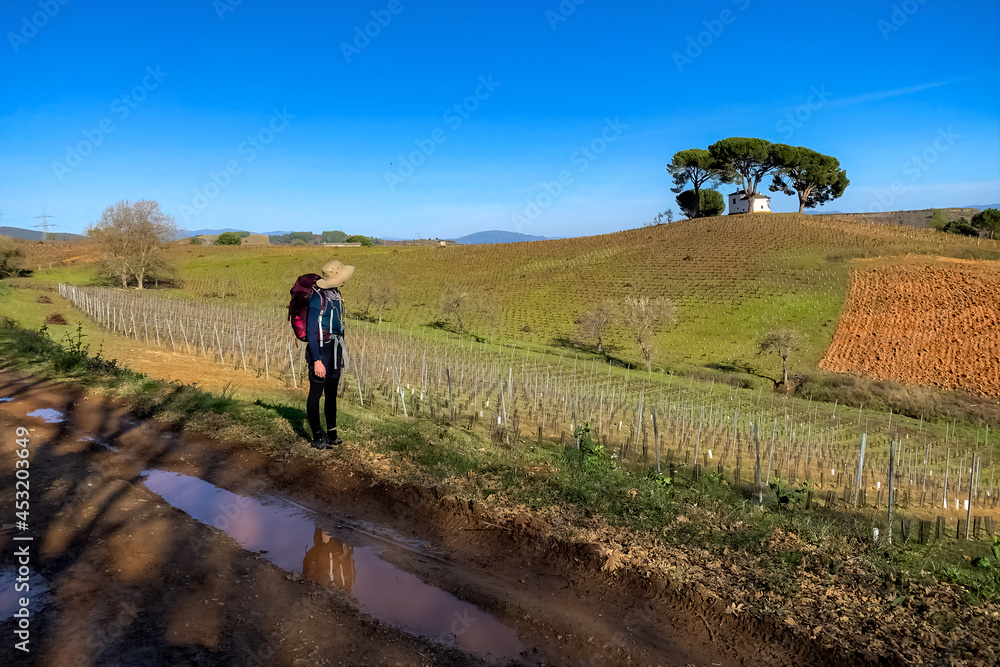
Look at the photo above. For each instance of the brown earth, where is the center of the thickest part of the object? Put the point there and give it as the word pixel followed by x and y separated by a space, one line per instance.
pixel 136 582
pixel 926 322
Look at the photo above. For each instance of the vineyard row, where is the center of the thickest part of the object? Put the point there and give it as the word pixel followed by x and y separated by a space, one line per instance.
pixel 517 395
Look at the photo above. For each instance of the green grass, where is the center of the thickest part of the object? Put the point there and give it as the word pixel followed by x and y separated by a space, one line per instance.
pixel 83 274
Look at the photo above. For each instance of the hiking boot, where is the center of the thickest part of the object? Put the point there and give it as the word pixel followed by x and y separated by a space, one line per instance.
pixel 320 442
pixel 333 439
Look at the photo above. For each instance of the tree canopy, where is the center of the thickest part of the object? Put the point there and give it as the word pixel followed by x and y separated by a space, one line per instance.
pixel 814 177
pixel 701 204
pixel 988 220
pixel 750 159
pixel 698 167
pixel 229 238
pixel 335 236
pixel 363 240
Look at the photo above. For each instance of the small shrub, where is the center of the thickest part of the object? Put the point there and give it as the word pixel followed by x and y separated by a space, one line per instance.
pixel 11 258
pixel 228 238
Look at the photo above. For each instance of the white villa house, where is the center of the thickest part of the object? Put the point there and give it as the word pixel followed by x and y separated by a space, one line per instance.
pixel 738 203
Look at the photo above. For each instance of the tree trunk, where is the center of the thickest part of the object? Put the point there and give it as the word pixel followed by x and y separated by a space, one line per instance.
pixel 803 198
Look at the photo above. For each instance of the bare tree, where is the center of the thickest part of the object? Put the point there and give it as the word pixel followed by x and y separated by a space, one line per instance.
pixel 645 317
pixel 132 236
pixel 455 305
pixel 490 314
pixel 662 218
pixel 379 296
pixel 386 297
pixel 596 321
pixel 784 343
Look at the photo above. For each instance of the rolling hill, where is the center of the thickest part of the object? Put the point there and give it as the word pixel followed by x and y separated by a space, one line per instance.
pixel 35 235
pixel 733 278
pixel 497 236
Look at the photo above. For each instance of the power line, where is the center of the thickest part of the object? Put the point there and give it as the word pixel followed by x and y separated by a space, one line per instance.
pixel 45 224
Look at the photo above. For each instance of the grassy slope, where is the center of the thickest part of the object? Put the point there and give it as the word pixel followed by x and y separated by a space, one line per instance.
pixel 733 278
pixel 797 271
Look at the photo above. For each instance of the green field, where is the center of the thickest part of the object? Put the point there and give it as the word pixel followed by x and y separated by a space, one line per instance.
pixel 709 399
pixel 732 279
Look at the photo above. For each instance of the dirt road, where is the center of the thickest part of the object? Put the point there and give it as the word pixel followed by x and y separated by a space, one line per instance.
pixel 152 547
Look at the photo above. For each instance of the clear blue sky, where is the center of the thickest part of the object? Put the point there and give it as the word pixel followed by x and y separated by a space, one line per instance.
pixel 546 117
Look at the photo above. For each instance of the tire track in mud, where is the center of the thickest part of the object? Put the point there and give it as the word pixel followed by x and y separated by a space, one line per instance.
pixel 111 545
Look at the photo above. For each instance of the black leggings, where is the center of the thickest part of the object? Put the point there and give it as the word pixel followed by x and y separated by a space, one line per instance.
pixel 319 386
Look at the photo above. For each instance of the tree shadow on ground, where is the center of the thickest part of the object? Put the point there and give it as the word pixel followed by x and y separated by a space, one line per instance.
pixel 444 325
pixel 296 417
pixel 450 327
pixel 740 368
pixel 607 353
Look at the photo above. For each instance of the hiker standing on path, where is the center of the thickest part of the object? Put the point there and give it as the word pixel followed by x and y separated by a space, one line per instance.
pixel 325 352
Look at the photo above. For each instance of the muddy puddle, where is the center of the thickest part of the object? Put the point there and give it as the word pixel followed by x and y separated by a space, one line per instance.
pixel 14 587
pixel 48 415
pixel 341 559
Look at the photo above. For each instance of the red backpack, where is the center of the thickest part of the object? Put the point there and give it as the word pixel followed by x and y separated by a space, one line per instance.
pixel 298 306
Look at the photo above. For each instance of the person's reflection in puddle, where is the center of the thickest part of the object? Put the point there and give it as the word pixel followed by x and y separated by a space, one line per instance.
pixel 330 563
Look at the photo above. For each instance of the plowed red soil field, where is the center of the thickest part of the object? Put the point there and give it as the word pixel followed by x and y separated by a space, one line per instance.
pixel 926 322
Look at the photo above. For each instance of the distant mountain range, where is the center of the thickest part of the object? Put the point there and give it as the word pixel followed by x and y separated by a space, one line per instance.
pixel 185 233
pixel 498 236
pixel 492 236
pixel 34 235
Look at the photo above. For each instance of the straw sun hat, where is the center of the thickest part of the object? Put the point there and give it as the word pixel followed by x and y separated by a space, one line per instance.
pixel 335 274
